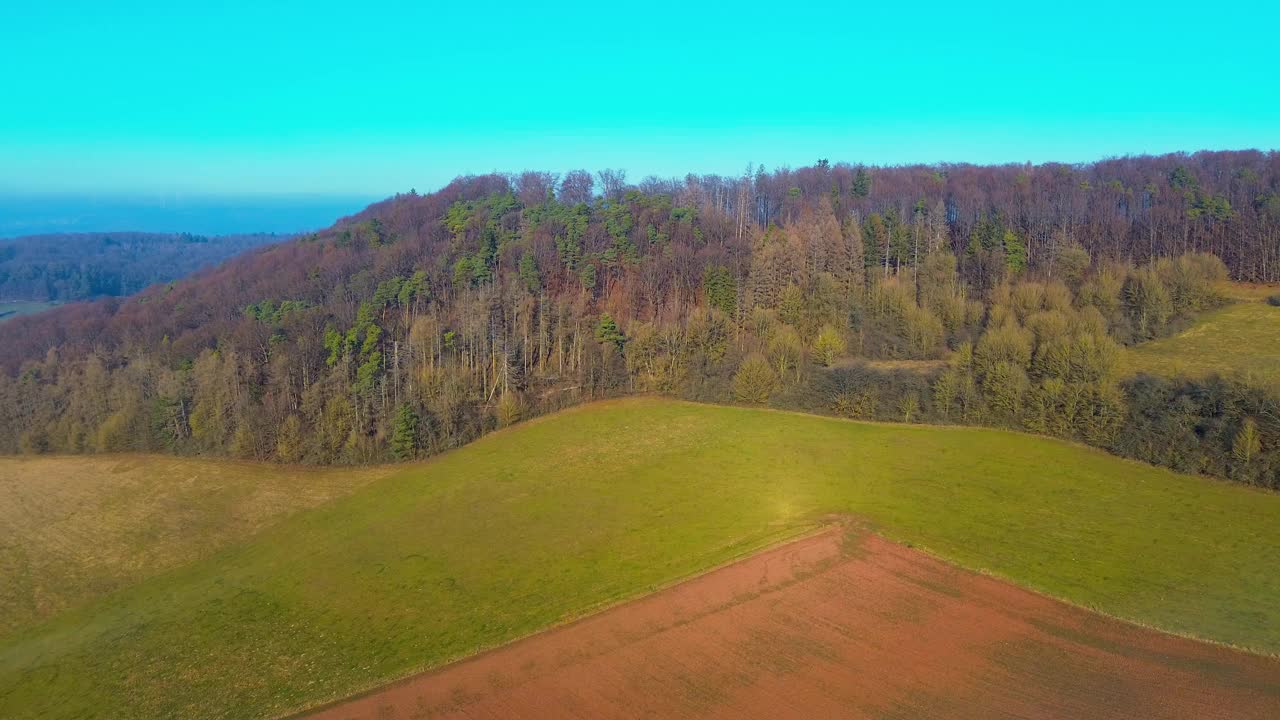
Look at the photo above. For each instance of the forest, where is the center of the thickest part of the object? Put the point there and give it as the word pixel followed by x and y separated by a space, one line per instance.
pixel 80 266
pixel 992 295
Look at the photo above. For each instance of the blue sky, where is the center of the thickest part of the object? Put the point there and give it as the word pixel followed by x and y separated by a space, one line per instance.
pixel 373 98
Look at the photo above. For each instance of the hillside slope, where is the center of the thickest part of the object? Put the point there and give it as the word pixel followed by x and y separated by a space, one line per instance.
pixel 548 520
pixel 1241 339
pixel 425 321
pixel 73 529
pixel 840 624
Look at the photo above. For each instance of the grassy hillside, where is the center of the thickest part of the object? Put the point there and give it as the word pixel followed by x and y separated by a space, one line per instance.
pixel 1240 339
pixel 537 524
pixel 76 528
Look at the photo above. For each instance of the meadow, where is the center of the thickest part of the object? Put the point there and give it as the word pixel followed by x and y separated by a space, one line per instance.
pixel 1241 339
pixel 541 523
pixel 18 308
pixel 73 529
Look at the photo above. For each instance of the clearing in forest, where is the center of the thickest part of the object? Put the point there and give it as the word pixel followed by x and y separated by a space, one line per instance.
pixel 840 626
pixel 10 309
pixel 1241 339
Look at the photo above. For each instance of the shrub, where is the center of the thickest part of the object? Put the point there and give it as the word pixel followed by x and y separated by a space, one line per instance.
pixel 1274 300
pixel 510 409
pixel 755 380
pixel 289 440
pixel 851 404
pixel 829 345
pixel 786 351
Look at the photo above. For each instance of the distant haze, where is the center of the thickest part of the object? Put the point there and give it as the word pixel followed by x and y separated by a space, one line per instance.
pixel 203 215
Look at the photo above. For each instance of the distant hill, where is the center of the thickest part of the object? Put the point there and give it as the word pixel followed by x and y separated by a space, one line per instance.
pixel 204 215
pixel 82 266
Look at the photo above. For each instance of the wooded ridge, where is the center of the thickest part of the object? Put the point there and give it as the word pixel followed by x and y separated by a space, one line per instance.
pixel 82 266
pixel 426 320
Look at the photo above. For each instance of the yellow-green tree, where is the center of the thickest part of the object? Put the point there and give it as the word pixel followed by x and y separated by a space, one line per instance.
pixel 755 381
pixel 829 345
pixel 1246 445
pixel 510 409
pixel 289 440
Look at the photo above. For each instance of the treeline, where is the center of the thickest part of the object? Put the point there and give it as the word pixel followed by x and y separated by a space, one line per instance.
pixel 1046 357
pixel 80 266
pixel 427 320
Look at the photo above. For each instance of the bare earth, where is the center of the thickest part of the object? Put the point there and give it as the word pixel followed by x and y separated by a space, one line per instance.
pixel 840 626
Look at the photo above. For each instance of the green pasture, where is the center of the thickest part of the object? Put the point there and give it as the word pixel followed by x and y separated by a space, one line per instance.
pixel 538 524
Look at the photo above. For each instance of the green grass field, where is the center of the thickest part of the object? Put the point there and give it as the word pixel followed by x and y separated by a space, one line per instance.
pixel 76 528
pixel 13 309
pixel 545 521
pixel 1241 339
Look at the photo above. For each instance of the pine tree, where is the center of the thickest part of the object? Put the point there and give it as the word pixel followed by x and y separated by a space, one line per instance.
pixel 587 276
pixel 608 332
pixel 1015 252
pixel 404 438
pixel 862 183
pixel 529 273
pixel 721 289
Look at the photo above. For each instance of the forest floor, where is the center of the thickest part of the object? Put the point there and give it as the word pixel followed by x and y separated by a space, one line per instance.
pixel 556 518
pixel 842 624
pixel 1241 339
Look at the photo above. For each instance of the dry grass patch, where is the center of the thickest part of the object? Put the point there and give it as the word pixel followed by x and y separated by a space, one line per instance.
pixel 1241 339
pixel 75 528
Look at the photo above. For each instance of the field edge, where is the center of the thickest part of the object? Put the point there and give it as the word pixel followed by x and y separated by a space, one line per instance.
pixel 772 542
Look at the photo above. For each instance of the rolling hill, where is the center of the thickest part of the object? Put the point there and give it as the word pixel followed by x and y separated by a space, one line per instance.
pixel 551 519
pixel 92 525
pixel 426 321
pixel 838 624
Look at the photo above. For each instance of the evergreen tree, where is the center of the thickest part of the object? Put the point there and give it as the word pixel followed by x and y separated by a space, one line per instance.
pixel 861 183
pixel 587 276
pixel 529 273
pixel 404 438
pixel 607 331
pixel 1015 252
pixel 721 289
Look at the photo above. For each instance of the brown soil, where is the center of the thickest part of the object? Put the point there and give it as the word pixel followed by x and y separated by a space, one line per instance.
pixel 837 626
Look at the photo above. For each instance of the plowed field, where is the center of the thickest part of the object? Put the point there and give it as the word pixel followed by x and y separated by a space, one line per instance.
pixel 840 625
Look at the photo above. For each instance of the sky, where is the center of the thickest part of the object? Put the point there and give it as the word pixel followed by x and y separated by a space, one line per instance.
pixel 368 99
